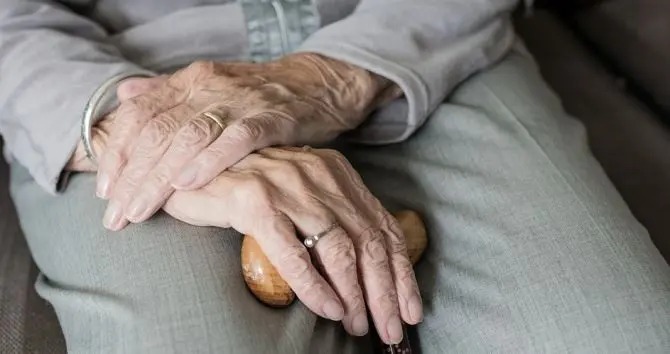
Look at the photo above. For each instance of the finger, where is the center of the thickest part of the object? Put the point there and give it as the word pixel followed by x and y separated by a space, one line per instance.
pixel 212 206
pixel 278 241
pixel 148 149
pixel 409 296
pixel 136 86
pixel 335 253
pixel 375 273
pixel 236 142
pixel 156 187
pixel 363 227
pixel 130 118
pixel 365 230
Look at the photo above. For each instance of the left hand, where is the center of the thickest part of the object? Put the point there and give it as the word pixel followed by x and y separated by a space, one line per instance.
pixel 127 89
pixel 161 140
pixel 280 194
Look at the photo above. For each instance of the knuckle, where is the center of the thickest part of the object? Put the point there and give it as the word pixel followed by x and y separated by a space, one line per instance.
pixel 133 172
pixel 196 131
pixel 245 131
pixel 257 186
pixel 295 263
pixel 342 254
pixel 318 167
pixel 395 238
pixel 342 271
pixel 289 171
pixel 334 160
pixel 315 160
pixel 397 243
pixel 161 177
pixel 132 105
pixel 157 131
pixel 134 108
pixel 252 94
pixel 132 177
pixel 257 193
pixel 374 249
pixel 403 270
pixel 276 89
pixel 391 224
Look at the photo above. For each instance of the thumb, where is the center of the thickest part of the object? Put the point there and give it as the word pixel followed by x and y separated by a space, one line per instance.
pixel 136 86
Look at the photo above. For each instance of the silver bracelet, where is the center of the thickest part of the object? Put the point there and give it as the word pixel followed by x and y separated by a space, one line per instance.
pixel 91 111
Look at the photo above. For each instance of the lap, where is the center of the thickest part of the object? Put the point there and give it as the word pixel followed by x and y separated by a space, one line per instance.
pixel 158 287
pixel 531 248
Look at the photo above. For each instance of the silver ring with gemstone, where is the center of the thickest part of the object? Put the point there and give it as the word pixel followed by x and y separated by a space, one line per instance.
pixel 311 241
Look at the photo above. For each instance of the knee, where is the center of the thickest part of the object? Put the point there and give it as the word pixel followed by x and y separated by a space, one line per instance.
pixel 203 305
pixel 165 287
pixel 157 287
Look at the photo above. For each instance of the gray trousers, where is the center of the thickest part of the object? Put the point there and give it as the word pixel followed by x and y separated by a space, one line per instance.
pixel 531 248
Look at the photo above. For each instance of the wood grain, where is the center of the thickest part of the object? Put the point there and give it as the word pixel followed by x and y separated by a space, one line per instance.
pixel 267 285
pixel 262 278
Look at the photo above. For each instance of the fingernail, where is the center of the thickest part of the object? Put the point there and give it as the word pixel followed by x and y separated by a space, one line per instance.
pixel 333 310
pixel 102 189
pixel 137 208
pixel 360 325
pixel 113 216
pixel 186 178
pixel 394 330
pixel 415 308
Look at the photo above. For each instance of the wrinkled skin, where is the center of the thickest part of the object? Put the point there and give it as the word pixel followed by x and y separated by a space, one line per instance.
pixel 277 194
pixel 161 140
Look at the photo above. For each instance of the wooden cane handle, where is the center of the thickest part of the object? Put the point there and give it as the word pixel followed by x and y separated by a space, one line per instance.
pixel 267 285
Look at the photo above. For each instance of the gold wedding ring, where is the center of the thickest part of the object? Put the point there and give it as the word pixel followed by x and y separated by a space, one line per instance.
pixel 216 118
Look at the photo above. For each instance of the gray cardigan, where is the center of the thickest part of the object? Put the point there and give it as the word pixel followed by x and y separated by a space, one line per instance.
pixel 54 54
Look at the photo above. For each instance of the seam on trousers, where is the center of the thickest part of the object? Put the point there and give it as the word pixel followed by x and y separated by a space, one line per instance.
pixel 511 114
pixel 278 27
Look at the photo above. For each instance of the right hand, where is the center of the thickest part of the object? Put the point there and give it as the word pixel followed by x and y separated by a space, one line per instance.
pixel 278 194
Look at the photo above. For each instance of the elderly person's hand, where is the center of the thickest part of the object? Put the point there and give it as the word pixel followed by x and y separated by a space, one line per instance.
pixel 280 192
pixel 208 116
pixel 127 89
pixel 277 193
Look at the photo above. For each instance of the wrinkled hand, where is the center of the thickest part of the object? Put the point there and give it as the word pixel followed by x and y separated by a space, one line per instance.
pixel 272 193
pixel 275 192
pixel 161 140
pixel 126 90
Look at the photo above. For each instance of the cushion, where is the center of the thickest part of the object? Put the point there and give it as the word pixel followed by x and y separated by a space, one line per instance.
pixel 27 323
pixel 634 35
pixel 629 141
